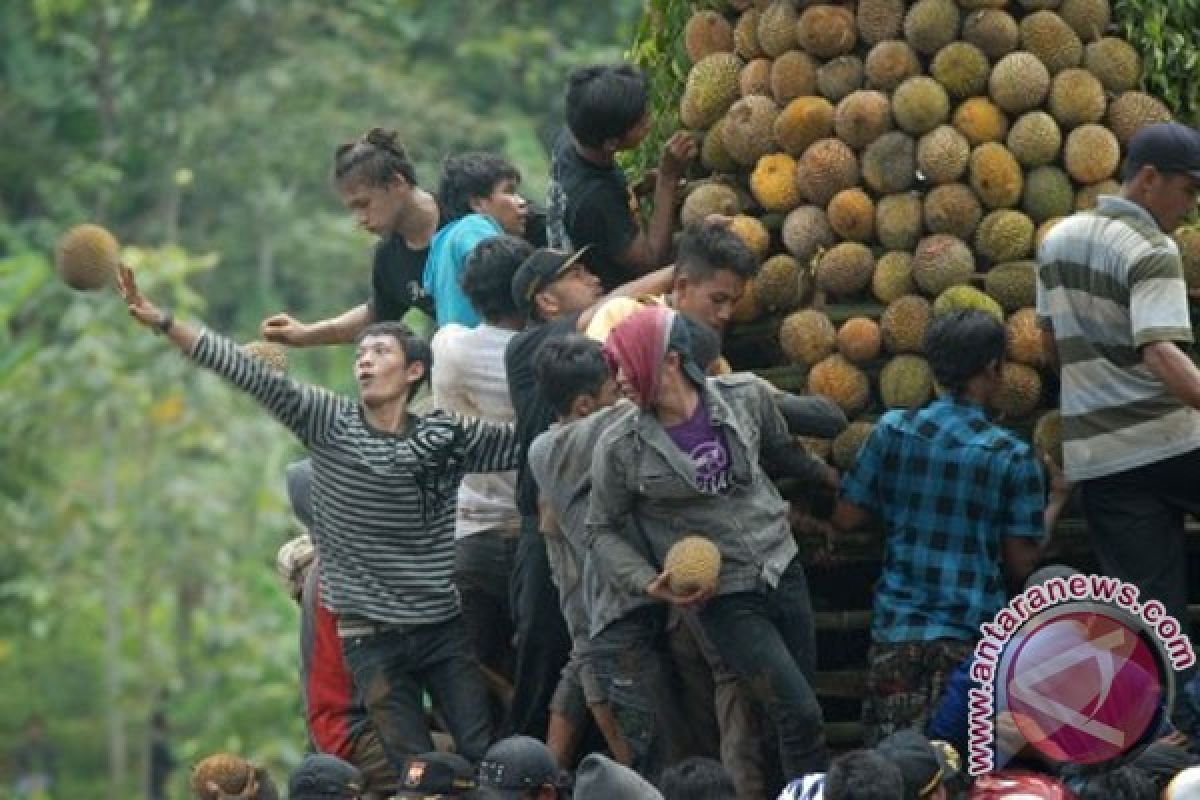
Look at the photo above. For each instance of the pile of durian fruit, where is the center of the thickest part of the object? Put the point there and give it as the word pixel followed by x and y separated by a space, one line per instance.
pixel 889 160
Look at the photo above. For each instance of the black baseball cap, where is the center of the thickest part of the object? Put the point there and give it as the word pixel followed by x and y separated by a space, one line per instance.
pixel 514 765
pixel 1166 146
pixel 321 776
pixel 542 268
pixel 435 775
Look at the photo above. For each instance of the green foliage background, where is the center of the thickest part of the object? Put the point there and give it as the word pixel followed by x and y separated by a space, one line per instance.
pixel 142 502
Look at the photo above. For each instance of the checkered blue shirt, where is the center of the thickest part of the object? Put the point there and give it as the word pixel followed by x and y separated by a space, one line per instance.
pixel 947 485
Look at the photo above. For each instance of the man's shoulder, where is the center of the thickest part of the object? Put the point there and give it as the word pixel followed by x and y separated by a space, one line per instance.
pixel 739 387
pixel 617 422
pixel 448 338
pixel 739 381
pixel 541 447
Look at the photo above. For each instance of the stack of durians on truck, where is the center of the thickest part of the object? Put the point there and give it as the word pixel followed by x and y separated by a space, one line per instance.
pixel 889 160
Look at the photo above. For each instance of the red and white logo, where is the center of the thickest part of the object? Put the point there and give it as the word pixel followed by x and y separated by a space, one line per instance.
pixel 1083 684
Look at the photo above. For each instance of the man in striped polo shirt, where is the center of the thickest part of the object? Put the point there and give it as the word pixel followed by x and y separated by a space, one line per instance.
pixel 1113 305
pixel 383 500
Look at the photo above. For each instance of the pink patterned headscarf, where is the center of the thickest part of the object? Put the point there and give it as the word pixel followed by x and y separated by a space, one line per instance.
pixel 637 347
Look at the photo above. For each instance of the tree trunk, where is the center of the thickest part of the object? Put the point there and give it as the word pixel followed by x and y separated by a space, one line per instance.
pixel 106 99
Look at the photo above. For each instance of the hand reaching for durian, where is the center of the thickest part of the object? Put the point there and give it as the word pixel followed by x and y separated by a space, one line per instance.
pixel 151 316
pixel 140 308
pixel 660 589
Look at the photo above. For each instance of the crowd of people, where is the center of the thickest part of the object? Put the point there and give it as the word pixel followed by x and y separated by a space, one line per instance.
pixel 543 411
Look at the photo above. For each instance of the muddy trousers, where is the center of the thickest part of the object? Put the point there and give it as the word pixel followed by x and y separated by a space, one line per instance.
pixel 767 637
pixel 394 667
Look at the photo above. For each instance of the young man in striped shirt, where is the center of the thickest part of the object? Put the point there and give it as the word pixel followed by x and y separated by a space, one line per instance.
pixel 383 496
pixel 1113 305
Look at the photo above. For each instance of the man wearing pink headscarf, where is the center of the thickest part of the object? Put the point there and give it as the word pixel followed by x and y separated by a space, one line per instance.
pixel 685 459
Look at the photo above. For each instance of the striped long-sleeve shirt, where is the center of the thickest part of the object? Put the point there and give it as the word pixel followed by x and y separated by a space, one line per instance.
pixel 383 503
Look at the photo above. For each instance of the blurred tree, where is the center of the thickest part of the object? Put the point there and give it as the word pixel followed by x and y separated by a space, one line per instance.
pixel 142 502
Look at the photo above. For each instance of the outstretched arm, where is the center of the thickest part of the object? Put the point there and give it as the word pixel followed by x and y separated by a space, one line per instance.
pixel 309 412
pixel 778 454
pixel 181 334
pixel 341 329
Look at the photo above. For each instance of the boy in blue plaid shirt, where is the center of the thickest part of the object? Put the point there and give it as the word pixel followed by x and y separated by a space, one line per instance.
pixel 956 497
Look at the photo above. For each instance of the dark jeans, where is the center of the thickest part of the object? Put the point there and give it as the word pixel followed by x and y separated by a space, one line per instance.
pixel 543 643
pixel 392 668
pixel 1135 521
pixel 483 565
pixel 629 661
pixel 767 637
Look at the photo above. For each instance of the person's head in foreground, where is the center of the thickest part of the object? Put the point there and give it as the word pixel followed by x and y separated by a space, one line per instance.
pixel 223 776
pixel 321 776
pixel 601 778
pixel 1127 782
pixel 697 778
pixel 863 775
pixel 436 775
pixel 1017 785
pixel 1184 786
pixel 925 768
pixel 519 768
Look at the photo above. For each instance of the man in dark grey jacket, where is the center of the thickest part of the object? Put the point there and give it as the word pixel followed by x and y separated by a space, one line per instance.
pixel 685 458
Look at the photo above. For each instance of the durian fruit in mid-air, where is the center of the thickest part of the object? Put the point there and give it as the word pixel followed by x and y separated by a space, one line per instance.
pixel 693 563
pixel 87 257
pixel 273 354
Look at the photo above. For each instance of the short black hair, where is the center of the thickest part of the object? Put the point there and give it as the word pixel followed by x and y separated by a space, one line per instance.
pixel 488 275
pixel 1127 782
pixel 605 101
pixel 415 348
pixel 705 342
pixel 1162 761
pixel 706 248
pixel 375 159
pixel 961 344
pixel 863 775
pixel 697 778
pixel 569 366
pixel 469 175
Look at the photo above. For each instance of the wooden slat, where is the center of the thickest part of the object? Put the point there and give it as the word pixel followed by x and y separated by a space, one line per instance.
pixel 843 684
pixel 849 620
pixel 843 734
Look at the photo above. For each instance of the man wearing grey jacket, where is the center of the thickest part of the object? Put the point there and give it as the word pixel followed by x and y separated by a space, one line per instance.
pixel 685 458
pixel 617 648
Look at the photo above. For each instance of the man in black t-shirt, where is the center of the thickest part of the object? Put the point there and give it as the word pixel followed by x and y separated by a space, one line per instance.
pixel 588 201
pixel 559 294
pixel 378 184
pixel 396 270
